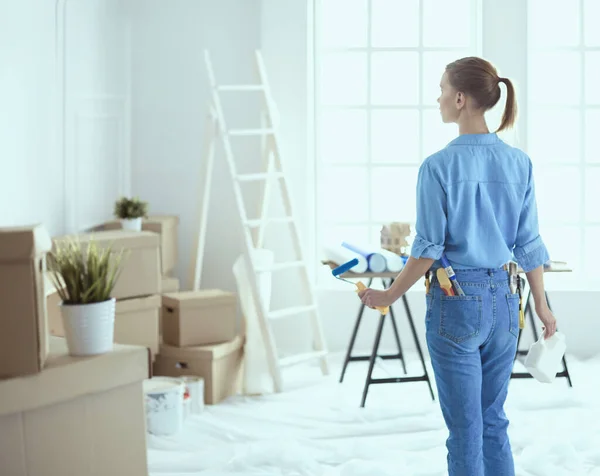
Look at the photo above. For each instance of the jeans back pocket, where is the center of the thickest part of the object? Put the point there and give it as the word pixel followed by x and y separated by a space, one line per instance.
pixel 460 317
pixel 513 313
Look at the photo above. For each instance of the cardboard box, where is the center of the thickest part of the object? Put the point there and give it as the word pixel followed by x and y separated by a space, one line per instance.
pixel 169 285
pixel 166 226
pixel 140 275
pixel 219 365
pixel 137 322
pixel 23 326
pixel 201 317
pixel 78 417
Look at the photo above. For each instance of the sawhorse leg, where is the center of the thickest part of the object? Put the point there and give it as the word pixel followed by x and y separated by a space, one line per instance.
pixel 421 378
pixel 349 358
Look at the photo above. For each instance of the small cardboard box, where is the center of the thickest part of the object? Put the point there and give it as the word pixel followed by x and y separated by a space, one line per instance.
pixel 79 416
pixel 169 285
pixel 140 274
pixel 23 326
pixel 136 322
pixel 219 365
pixel 201 317
pixel 166 226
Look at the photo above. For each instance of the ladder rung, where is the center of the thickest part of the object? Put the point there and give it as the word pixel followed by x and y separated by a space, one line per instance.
pixel 251 132
pixel 280 266
pixel 241 87
pixel 260 176
pixel 258 221
pixel 291 311
pixel 299 358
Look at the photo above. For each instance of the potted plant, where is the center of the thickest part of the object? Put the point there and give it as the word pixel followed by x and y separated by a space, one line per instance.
pixel 131 211
pixel 84 282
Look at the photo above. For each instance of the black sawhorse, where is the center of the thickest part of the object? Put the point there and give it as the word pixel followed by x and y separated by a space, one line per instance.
pixel 374 353
pixel 521 354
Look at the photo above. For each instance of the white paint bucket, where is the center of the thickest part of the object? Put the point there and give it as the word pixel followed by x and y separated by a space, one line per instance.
pixel 89 328
pixel 195 387
pixel 131 224
pixel 163 398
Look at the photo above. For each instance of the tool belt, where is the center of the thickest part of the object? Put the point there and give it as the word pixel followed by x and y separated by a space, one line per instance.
pixel 514 282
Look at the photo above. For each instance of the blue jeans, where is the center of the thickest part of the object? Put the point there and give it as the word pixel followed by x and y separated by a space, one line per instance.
pixel 472 342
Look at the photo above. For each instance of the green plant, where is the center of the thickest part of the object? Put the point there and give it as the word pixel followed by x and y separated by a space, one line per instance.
pixel 128 208
pixel 84 277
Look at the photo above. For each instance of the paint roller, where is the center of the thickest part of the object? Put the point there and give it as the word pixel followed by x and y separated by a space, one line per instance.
pixel 337 272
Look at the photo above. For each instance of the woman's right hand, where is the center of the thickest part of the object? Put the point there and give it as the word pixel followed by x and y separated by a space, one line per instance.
pixel 547 318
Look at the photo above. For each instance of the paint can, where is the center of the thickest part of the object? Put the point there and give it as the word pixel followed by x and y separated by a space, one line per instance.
pixel 194 386
pixel 163 398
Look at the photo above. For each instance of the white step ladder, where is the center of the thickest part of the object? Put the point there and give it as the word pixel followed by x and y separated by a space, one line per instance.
pixel 216 126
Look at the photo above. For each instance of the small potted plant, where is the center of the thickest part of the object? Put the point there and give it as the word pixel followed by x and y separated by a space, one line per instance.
pixel 131 211
pixel 84 281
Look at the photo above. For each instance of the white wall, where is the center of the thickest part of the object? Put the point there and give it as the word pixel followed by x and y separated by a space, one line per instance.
pixel 169 109
pixel 63 111
pixel 27 116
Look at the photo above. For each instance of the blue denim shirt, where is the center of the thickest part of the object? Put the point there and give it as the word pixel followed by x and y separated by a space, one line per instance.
pixel 476 203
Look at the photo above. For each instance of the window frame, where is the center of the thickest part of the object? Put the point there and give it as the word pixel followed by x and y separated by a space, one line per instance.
pixel 321 224
pixel 574 281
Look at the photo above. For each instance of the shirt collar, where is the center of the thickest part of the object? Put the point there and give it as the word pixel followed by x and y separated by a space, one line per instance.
pixel 476 139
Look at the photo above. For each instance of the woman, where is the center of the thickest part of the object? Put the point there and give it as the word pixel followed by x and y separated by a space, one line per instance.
pixel 475 204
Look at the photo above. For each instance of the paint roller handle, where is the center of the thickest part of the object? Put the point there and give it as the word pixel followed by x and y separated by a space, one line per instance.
pixel 361 287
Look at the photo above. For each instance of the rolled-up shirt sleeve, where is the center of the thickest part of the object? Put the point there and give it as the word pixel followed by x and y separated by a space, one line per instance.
pixel 530 251
pixel 431 215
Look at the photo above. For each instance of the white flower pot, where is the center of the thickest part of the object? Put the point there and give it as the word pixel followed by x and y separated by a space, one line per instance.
pixel 132 224
pixel 89 328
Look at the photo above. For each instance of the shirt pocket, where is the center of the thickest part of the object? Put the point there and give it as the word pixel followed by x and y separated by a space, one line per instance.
pixel 460 317
pixel 513 313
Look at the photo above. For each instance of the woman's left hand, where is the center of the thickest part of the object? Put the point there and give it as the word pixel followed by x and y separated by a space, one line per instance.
pixel 374 298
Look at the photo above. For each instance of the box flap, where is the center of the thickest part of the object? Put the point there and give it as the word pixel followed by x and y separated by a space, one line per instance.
pixel 138 304
pixel 157 221
pixel 118 238
pixel 169 285
pixel 204 352
pixel 152 223
pixel 24 242
pixel 65 377
pixel 200 298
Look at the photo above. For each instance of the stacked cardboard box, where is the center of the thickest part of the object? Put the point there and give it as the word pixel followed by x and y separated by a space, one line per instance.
pixel 78 416
pixel 137 289
pixel 23 324
pixel 166 226
pixel 200 338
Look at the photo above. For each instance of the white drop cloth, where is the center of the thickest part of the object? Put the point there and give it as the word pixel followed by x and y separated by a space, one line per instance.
pixel 316 428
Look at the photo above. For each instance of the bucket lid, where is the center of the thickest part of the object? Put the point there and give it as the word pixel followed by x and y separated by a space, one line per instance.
pixel 161 385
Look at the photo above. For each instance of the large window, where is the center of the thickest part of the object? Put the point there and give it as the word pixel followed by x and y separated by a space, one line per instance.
pixel 564 129
pixel 379 64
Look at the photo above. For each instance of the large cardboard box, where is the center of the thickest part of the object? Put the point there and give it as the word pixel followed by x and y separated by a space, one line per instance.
pixel 219 365
pixel 137 322
pixel 78 417
pixel 166 226
pixel 203 317
pixel 23 323
pixel 140 275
